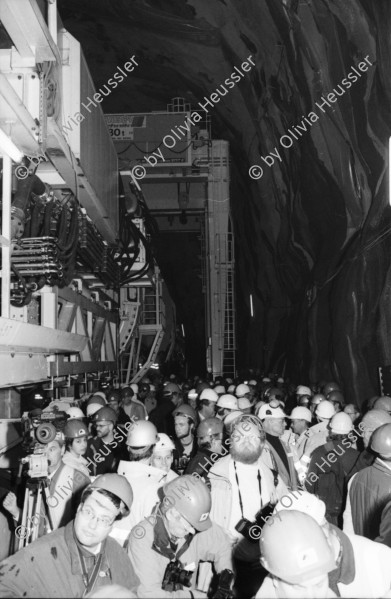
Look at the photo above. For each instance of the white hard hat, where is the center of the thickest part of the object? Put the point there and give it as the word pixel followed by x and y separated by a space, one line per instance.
pixel 302 390
pixel 231 389
pixel 74 412
pixel 210 394
pixel 303 501
pixel 266 379
pixel 325 409
pixel 280 379
pixel 134 387
pixel 100 394
pixel 231 417
pixel 301 413
pixel 152 387
pixel 192 394
pixel 253 383
pixel 219 389
pixel 241 390
pixel 92 408
pixel 341 423
pixel 163 443
pixel 268 411
pixel 228 401
pixel 244 403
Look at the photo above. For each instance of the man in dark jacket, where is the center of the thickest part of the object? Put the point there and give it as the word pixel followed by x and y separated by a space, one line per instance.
pixel 210 447
pixel 330 467
pixel 80 558
pixel 161 416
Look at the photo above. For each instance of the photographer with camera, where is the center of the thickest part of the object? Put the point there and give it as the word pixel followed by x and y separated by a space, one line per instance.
pixel 64 485
pixel 78 559
pixel 166 548
pixel 244 491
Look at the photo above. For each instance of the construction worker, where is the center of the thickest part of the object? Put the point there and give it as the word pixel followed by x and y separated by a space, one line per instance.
pixel 337 399
pixel 362 567
pixel 243 491
pixel 106 449
pixel 207 402
pixel 76 434
pixel 301 419
pixel 329 387
pixel 114 400
pixel 192 399
pixel 131 406
pixel 315 401
pixel 226 403
pixel 353 411
pixel 277 453
pixel 144 478
pixel 370 489
pixel 210 434
pixel 317 434
pixel 185 424
pixel 77 559
pixel 176 538
pixel 297 556
pixel 383 403
pixel 330 467
pixel 163 456
pixel 370 422
pixel 161 416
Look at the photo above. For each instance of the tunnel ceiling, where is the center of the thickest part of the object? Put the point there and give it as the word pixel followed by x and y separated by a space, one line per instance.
pixel 312 233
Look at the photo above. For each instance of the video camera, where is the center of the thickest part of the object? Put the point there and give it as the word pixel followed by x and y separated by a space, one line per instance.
pixel 39 429
pixel 175 577
pixel 223 589
pixel 251 530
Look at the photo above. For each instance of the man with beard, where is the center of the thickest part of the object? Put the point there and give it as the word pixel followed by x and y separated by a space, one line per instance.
pixel 105 450
pixel 185 422
pixel 243 490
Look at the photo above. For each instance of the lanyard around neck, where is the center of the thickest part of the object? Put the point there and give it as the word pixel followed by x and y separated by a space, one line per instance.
pixel 240 495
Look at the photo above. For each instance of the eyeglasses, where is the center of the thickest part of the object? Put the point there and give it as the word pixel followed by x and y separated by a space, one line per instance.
pixel 103 521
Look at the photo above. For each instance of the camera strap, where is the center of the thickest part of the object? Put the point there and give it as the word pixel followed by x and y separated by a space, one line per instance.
pixel 240 495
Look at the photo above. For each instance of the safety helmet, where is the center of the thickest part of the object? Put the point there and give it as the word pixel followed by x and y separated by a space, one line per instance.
pixel 301 413
pixel 383 403
pixel 230 418
pixel 201 386
pixel 164 442
pixel 228 401
pixel 74 429
pixel 336 396
pixel 192 394
pixel 116 484
pixel 331 386
pixel 341 423
pixel 134 388
pixel 242 389
pixel 325 409
pixel 100 394
pixel 275 393
pixel 270 411
pixel 105 415
pixel 253 383
pixel 92 408
pixel 317 398
pixel 142 434
pixel 303 390
pixel 170 388
pixel 266 379
pixel 114 396
pixel 280 380
pixel 210 426
pixel 209 394
pixel 152 387
pixel 381 441
pixel 244 403
pixel 186 410
pixel 191 497
pixel 231 389
pixel 305 502
pixel 306 555
pixel 219 389
pixel 97 399
pixel 258 406
pixel 74 412
pixel 374 419
pixel 303 401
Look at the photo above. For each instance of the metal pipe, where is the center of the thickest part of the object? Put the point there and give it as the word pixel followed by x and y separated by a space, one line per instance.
pixel 6 234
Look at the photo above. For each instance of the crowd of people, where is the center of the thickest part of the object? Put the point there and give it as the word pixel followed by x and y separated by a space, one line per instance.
pixel 210 488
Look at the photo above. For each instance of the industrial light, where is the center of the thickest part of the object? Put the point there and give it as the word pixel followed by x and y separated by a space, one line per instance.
pixel 251 305
pixel 8 147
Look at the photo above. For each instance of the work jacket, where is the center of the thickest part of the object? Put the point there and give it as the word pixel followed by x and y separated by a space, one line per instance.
pixel 150 552
pixel 368 492
pixel 50 567
pixel 271 458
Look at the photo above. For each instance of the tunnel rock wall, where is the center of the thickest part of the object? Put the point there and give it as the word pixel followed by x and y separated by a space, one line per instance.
pixel 312 233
